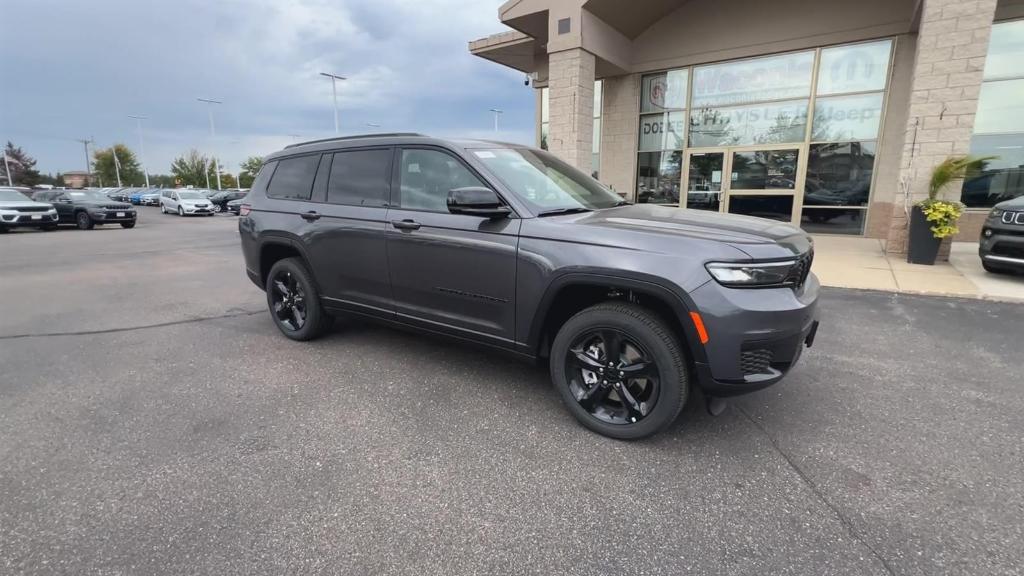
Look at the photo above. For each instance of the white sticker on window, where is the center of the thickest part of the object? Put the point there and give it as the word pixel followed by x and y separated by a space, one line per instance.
pixel 414 168
pixel 484 154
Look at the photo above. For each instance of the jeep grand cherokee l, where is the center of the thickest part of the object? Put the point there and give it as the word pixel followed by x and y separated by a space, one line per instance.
pixel 632 306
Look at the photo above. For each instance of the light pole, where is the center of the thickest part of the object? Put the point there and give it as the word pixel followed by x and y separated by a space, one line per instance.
pixel 142 149
pixel 213 135
pixel 334 90
pixel 7 169
pixel 496 114
pixel 88 164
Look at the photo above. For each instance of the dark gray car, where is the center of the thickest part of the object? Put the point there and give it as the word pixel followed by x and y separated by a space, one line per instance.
pixel 632 306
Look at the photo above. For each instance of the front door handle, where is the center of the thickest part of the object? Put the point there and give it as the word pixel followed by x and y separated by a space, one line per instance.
pixel 310 216
pixel 406 224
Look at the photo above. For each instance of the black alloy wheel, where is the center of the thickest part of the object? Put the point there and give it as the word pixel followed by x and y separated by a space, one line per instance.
pixel 612 376
pixel 84 221
pixel 294 301
pixel 620 370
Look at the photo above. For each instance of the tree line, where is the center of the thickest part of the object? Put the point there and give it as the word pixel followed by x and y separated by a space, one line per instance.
pixel 190 169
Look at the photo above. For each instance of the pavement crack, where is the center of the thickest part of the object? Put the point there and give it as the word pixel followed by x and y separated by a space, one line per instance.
pixel 847 524
pixel 131 328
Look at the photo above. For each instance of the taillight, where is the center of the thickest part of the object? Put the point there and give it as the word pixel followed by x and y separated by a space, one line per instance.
pixel 244 210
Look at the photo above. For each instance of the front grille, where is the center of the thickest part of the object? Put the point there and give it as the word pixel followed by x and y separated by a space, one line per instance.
pixel 757 361
pixel 45 218
pixel 798 273
pixel 1009 250
pixel 1013 218
pixel 114 207
pixel 33 208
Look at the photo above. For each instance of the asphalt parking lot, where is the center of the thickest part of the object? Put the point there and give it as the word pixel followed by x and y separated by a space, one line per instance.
pixel 153 421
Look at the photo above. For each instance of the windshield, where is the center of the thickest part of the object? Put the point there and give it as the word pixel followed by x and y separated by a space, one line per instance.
pixel 546 182
pixel 12 196
pixel 88 195
pixel 190 196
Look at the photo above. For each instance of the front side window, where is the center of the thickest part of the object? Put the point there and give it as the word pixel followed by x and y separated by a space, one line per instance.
pixel 293 178
pixel 360 178
pixel 544 181
pixel 999 124
pixel 426 177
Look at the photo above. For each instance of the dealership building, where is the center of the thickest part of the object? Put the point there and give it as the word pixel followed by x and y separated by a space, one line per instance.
pixel 828 114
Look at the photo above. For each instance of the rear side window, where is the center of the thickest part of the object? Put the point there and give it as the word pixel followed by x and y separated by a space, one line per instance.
pixel 360 178
pixel 259 184
pixel 293 179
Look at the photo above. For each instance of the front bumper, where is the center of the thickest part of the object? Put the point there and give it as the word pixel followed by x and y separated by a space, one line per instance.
pixel 1004 247
pixel 12 219
pixel 113 216
pixel 755 336
pixel 195 210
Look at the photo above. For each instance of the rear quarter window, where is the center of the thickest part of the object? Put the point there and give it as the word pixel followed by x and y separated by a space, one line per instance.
pixel 293 178
pixel 360 178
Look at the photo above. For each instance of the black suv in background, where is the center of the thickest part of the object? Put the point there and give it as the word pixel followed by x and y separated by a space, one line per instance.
pixel 1002 238
pixel 632 306
pixel 88 208
pixel 220 199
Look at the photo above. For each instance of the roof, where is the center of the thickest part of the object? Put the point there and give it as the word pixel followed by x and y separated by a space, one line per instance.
pixel 396 139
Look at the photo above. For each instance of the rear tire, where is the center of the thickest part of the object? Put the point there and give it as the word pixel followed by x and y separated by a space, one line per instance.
pixel 651 343
pixel 292 295
pixel 84 221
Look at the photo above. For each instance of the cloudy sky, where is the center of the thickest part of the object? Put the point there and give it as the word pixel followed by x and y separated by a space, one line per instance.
pixel 75 69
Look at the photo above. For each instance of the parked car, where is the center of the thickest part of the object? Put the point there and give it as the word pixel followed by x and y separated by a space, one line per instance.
pixel 88 208
pixel 19 211
pixel 235 206
pixel 184 201
pixel 151 198
pixel 136 196
pixel 631 306
pixel 1002 238
pixel 121 194
pixel 220 199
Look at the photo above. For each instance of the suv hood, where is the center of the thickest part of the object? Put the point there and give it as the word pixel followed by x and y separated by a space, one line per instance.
pixel 757 237
pixel 1014 204
pixel 26 203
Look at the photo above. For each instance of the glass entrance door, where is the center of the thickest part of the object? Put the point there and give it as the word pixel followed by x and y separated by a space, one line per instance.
pixel 705 180
pixel 761 182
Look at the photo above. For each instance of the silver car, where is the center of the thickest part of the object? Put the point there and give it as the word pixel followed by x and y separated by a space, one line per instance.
pixel 182 202
pixel 18 210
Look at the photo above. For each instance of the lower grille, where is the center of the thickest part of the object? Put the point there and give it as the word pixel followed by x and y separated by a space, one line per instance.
pixel 1003 249
pixel 33 209
pixel 756 361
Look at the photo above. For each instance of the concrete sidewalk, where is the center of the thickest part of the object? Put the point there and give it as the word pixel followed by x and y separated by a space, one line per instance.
pixel 862 263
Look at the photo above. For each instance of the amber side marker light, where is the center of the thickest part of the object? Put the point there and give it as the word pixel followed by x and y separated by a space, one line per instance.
pixel 698 323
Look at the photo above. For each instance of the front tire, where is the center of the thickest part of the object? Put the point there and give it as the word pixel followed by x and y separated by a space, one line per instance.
pixel 620 370
pixel 127 224
pixel 181 211
pixel 294 301
pixel 84 221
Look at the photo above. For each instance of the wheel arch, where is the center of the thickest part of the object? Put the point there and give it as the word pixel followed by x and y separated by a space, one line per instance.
pixel 273 249
pixel 572 292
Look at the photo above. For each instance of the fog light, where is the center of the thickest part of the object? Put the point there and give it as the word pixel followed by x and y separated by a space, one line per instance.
pixel 987 232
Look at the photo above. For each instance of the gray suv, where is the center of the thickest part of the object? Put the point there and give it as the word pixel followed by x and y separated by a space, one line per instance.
pixel 632 306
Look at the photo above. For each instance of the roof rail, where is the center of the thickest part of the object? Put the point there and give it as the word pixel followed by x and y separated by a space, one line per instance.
pixel 357 137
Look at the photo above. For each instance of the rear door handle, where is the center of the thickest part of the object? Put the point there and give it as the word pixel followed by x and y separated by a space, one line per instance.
pixel 310 216
pixel 406 224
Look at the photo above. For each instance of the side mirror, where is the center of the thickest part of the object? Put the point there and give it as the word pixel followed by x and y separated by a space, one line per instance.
pixel 477 201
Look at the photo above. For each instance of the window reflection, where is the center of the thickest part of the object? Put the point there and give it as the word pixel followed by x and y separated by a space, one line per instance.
pixel 764 170
pixel 753 80
pixel 658 177
pixel 833 220
pixel 839 174
pixel 999 179
pixel 704 189
pixel 665 91
pixel 847 118
pixel 854 68
pixel 778 207
pixel 662 131
pixel 776 123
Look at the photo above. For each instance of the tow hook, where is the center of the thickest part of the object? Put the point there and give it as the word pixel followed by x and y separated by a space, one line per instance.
pixel 716 406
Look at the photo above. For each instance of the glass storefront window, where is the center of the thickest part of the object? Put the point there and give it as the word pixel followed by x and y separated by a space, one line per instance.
pixel 841 118
pixel 704 190
pixel 764 170
pixel 658 177
pixel 854 68
pixel 999 124
pixel 833 220
pixel 839 174
pixel 774 207
pixel 665 91
pixel 775 123
pixel 758 79
pixel 662 131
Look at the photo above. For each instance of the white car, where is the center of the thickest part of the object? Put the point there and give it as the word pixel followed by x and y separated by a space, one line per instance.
pixel 185 202
pixel 18 210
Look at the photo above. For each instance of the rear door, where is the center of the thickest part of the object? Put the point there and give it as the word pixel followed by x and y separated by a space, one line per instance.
pixel 347 247
pixel 452 272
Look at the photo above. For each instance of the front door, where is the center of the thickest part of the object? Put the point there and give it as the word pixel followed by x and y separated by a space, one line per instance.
pixel 762 182
pixel 450 272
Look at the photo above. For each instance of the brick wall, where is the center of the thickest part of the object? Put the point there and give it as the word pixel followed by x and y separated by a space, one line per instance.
pixel 571 106
pixel 619 120
pixel 951 47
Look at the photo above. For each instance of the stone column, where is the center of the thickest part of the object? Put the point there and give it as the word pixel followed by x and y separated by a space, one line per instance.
pixel 951 47
pixel 571 106
pixel 619 121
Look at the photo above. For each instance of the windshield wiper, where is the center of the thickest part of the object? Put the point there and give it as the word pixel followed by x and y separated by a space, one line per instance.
pixel 557 211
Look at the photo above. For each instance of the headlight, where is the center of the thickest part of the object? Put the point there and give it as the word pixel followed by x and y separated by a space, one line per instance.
pixel 752 274
pixel 995 213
